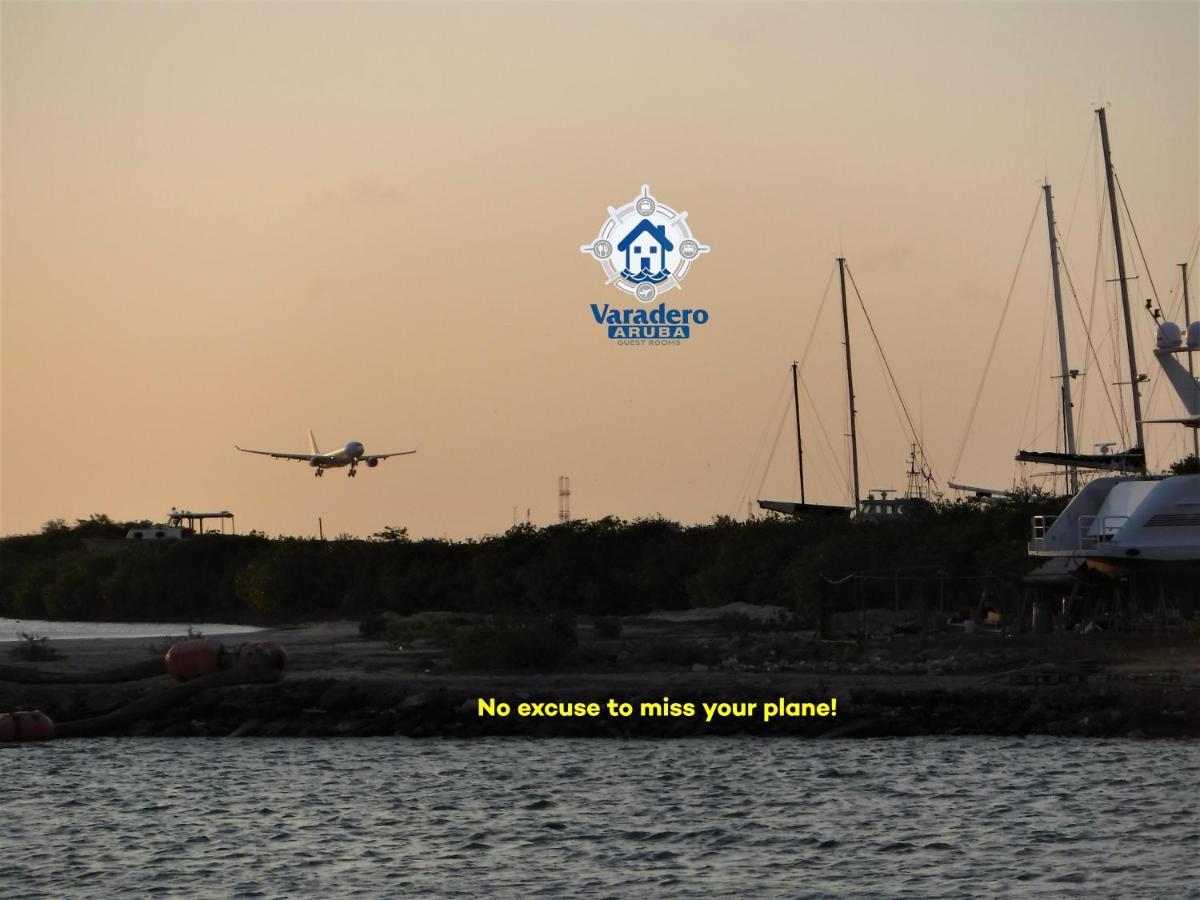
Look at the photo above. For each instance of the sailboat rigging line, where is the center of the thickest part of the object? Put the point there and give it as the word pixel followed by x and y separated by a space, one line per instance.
pixel 1091 145
pixel 1112 337
pixel 1114 328
pixel 1137 240
pixel 817 321
pixel 995 340
pixel 1177 312
pixel 1175 305
pixel 800 364
pixel 864 459
pixel 1087 331
pixel 1135 394
pixel 1180 314
pixel 1091 317
pixel 832 458
pixel 916 437
pixel 892 397
pixel 1035 395
pixel 1045 429
pixel 800 368
pixel 760 447
pixel 774 446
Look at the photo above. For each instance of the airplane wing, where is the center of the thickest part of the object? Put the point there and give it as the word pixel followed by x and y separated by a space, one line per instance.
pixel 306 457
pixel 367 457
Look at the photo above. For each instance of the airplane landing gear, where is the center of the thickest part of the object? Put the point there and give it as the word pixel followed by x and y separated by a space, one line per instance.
pixel 320 472
pixel 352 473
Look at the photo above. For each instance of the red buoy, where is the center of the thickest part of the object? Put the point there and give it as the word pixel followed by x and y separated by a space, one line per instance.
pixel 191 659
pixel 33 725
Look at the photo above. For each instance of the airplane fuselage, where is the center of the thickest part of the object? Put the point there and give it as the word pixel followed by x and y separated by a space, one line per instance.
pixel 346 456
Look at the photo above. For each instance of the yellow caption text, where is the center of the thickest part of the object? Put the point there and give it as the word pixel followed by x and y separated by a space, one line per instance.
pixel 658 709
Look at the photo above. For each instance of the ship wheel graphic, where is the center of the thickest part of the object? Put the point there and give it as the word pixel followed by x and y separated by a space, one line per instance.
pixel 645 247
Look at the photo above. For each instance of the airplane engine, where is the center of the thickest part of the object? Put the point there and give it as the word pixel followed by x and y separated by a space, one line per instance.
pixel 372 463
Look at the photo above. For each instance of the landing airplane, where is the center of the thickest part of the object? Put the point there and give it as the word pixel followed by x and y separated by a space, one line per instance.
pixel 350 455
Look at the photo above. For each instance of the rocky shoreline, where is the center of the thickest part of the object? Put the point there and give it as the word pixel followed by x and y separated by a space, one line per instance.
pixel 340 685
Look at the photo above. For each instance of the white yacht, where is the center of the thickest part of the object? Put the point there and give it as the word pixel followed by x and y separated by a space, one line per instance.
pixel 1122 522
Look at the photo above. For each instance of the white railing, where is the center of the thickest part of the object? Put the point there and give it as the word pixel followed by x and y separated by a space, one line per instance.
pixel 1108 528
pixel 1039 526
pixel 1086 541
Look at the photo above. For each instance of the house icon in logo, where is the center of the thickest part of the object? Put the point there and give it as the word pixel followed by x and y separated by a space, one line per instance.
pixel 657 242
pixel 645 249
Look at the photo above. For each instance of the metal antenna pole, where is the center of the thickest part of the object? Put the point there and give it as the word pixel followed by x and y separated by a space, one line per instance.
pixel 849 382
pixel 1068 417
pixel 1116 225
pixel 799 441
pixel 564 499
pixel 1187 321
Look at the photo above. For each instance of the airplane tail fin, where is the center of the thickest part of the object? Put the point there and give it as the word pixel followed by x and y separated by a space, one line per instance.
pixel 312 442
pixel 1184 383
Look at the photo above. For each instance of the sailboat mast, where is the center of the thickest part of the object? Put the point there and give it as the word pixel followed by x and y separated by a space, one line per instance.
pixel 1187 321
pixel 849 382
pixel 1116 226
pixel 1068 418
pixel 799 441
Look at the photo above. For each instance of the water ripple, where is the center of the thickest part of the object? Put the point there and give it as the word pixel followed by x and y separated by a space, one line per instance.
pixel 919 817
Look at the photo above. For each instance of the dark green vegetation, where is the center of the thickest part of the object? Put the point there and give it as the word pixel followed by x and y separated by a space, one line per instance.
pixel 605 568
pixel 1189 465
pixel 33 648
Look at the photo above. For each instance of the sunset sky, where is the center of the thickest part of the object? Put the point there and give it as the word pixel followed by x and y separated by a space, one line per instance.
pixel 231 223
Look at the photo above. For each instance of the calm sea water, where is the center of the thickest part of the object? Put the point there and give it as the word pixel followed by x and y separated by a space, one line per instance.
pixel 12 629
pixel 736 817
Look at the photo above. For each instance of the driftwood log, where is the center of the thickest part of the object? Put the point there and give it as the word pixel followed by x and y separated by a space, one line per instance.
pixel 148 668
pixel 157 702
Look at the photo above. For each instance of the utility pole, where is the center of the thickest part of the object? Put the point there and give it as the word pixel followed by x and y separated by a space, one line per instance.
pixel 1068 417
pixel 1116 227
pixel 799 441
pixel 849 382
pixel 1187 322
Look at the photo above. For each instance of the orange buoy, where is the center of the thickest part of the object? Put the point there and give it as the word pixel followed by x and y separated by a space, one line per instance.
pixel 191 659
pixel 34 725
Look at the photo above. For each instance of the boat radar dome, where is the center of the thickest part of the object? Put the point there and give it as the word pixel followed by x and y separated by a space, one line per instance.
pixel 1193 336
pixel 1169 336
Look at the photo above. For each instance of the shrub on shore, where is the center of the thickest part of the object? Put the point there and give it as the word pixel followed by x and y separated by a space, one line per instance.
pixel 544 643
pixel 34 648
